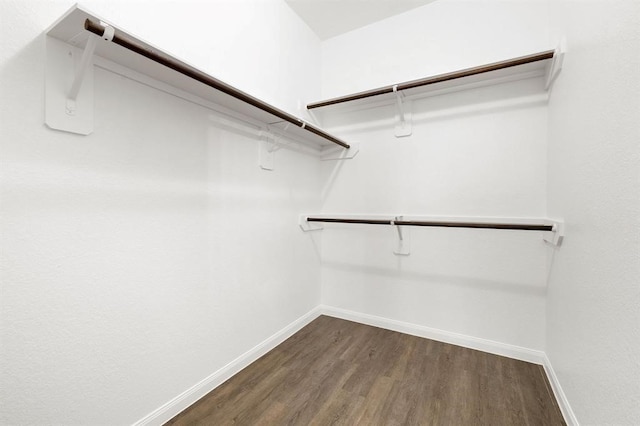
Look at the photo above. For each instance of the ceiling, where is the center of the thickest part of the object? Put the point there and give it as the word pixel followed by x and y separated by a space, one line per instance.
pixel 329 18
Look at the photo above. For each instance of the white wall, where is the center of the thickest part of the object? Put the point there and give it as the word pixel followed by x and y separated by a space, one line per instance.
pixel 593 319
pixel 443 36
pixel 474 153
pixel 141 259
pixel 123 284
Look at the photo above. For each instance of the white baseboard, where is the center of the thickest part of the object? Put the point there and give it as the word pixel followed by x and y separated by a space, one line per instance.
pixel 563 402
pixel 190 396
pixel 490 346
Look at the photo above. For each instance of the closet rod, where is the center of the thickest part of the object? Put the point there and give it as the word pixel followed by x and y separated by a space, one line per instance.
pixel 204 78
pixel 542 56
pixel 517 226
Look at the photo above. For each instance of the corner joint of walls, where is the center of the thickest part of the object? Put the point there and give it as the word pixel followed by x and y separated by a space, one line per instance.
pixel 565 408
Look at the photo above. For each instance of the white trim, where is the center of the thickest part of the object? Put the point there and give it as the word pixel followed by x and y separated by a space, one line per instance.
pixel 563 402
pixel 485 345
pixel 490 346
pixel 178 404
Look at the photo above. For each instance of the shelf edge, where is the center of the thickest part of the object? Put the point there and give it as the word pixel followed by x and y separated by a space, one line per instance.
pixel 468 72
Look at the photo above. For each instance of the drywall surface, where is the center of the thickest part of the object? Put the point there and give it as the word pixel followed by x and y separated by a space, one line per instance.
pixel 476 153
pixel 140 259
pixel 593 311
pixel 443 36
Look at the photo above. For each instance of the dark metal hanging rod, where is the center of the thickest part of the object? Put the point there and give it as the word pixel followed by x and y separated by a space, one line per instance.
pixel 185 69
pixel 436 79
pixel 516 226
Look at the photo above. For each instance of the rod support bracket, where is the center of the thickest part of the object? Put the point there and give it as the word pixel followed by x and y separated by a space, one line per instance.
pixel 109 32
pixel 267 146
pixel 403 125
pixel 402 243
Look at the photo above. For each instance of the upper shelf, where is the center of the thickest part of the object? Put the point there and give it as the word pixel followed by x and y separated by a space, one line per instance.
pixel 78 27
pixel 535 65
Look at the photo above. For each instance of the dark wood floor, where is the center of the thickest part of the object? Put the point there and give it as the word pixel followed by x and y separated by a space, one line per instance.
pixel 340 372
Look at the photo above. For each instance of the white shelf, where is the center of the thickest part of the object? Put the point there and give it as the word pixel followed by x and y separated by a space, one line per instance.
pixel 67 40
pixel 542 64
pixel 552 229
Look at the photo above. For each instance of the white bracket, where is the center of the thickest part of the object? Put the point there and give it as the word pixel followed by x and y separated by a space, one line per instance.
pixel 69 84
pixel 556 235
pixel 267 148
pixel 68 70
pixel 306 226
pixel 556 64
pixel 403 126
pixel 403 242
pixel 81 71
pixel 339 153
pixel 270 143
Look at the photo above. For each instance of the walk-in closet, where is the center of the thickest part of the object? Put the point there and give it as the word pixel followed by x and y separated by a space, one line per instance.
pixel 315 212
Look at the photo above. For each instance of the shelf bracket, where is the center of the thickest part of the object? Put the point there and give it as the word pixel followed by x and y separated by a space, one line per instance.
pixel 306 226
pixel 80 73
pixel 268 145
pixel 556 64
pixel 556 235
pixel 403 115
pixel 68 69
pixel 85 62
pixel 402 243
pixel 333 154
pixel 69 97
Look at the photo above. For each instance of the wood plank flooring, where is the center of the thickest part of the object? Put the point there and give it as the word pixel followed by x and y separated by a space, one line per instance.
pixel 336 372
